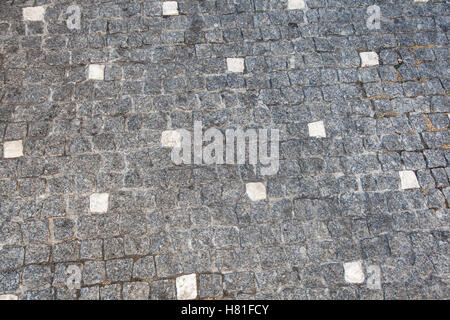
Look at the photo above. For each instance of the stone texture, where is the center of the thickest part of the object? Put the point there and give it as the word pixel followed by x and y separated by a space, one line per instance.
pixel 12 149
pixel 96 72
pixel 187 287
pixel 33 13
pixel 99 202
pixel 408 180
pixel 369 59
pixel 317 129
pixel 296 4
pixel 354 272
pixel 8 297
pixel 256 191
pixel 170 8
pixel 235 65
pixel 171 139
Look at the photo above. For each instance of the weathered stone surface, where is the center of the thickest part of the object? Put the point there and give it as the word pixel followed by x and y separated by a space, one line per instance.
pixel 256 191
pixel 354 272
pixel 235 65
pixel 369 59
pixel 99 202
pixel 96 72
pixel 170 8
pixel 186 287
pixel 34 13
pixel 13 149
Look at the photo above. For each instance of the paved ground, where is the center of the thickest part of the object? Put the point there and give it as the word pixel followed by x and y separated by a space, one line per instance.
pixel 90 197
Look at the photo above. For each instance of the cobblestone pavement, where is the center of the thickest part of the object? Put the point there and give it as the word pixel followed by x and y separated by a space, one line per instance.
pixel 92 207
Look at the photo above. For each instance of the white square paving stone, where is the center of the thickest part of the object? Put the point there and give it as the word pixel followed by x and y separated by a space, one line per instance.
pixel 296 4
pixel 96 72
pixel 170 139
pixel 353 272
pixel 317 129
pixel 13 149
pixel 408 180
pixel 256 191
pixel 369 59
pixel 8 297
pixel 187 287
pixel 170 8
pixel 235 64
pixel 98 202
pixel 33 13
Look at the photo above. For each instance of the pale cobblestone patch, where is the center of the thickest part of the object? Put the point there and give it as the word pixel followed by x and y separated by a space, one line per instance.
pixel 408 180
pixel 8 297
pixel 256 191
pixel 96 72
pixel 13 149
pixel 34 13
pixel 186 287
pixel 369 59
pixel 170 8
pixel 354 272
pixel 317 129
pixel 170 139
pixel 296 5
pixel 235 65
pixel 99 202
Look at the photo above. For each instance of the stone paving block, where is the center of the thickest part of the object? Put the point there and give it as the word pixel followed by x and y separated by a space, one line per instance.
pixel 354 272
pixel 171 139
pixel 135 291
pixel 296 5
pixel 186 287
pixel 90 293
pixel 235 65
pixel 99 202
pixel 317 129
pixel 111 292
pixel 13 149
pixel 163 290
pixel 210 285
pixel 408 180
pixel 36 276
pixel 96 72
pixel 34 13
pixel 256 191
pixel 369 59
pixel 8 297
pixel 170 8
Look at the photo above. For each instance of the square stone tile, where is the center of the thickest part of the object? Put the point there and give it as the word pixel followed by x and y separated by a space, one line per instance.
pixel 317 129
pixel 13 149
pixel 408 180
pixel 8 297
pixel 33 13
pixel 369 59
pixel 256 191
pixel 170 139
pixel 99 202
pixel 235 64
pixel 170 8
pixel 296 5
pixel 96 72
pixel 187 287
pixel 353 272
